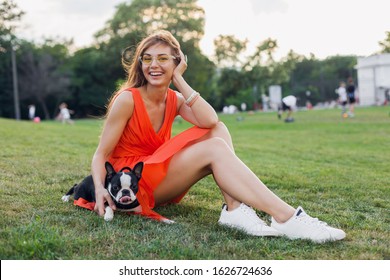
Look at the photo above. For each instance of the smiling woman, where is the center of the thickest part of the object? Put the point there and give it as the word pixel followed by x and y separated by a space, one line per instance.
pixel 157 61
pixel 138 129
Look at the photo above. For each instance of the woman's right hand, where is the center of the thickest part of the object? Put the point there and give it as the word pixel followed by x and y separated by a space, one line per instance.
pixel 182 66
pixel 118 116
pixel 102 196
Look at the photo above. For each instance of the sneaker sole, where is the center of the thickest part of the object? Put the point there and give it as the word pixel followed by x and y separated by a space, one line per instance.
pixel 315 240
pixel 263 233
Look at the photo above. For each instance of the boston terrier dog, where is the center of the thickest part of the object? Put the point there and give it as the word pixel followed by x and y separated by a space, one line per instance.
pixel 122 186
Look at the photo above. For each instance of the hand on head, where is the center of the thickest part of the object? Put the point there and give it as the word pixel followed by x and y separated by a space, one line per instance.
pixel 182 66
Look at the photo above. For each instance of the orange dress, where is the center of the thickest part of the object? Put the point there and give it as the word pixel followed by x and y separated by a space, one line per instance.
pixel 140 142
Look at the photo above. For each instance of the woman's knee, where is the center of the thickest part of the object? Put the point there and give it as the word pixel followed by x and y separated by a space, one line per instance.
pixel 202 152
pixel 220 127
pixel 217 146
pixel 221 131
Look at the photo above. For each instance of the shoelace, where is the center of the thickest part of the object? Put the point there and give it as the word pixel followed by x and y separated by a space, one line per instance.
pixel 310 220
pixel 251 213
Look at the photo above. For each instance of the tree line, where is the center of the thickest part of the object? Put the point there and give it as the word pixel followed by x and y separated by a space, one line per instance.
pixel 50 72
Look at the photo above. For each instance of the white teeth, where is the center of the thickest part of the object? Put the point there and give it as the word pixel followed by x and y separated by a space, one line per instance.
pixel 155 73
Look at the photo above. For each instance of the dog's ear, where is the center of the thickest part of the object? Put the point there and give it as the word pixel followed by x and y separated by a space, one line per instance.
pixel 138 169
pixel 110 169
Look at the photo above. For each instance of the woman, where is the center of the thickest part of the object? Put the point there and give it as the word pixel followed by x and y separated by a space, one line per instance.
pixel 138 127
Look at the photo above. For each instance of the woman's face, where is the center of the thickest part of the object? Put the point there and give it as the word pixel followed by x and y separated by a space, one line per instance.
pixel 158 64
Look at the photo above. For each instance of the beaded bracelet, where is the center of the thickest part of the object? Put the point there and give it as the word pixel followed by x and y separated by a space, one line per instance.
pixel 194 95
pixel 193 100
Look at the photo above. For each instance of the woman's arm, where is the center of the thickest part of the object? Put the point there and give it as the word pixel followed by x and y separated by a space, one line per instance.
pixel 119 115
pixel 200 113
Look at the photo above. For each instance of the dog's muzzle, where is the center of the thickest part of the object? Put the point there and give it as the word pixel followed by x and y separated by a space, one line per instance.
pixel 127 197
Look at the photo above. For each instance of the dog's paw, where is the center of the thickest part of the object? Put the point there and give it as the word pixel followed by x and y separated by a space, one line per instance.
pixel 168 221
pixel 65 198
pixel 108 218
pixel 109 215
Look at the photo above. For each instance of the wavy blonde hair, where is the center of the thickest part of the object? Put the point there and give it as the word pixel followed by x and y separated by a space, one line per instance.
pixel 132 65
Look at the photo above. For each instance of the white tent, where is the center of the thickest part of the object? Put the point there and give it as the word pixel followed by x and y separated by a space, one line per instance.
pixel 373 79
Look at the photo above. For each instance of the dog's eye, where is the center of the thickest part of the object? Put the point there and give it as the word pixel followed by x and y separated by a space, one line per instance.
pixel 116 188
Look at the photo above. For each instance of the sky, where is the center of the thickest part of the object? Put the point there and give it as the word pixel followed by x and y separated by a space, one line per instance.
pixel 320 27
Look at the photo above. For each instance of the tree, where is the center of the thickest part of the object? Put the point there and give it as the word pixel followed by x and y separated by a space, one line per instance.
pixel 184 18
pixel 320 77
pixel 231 82
pixel 43 78
pixel 263 55
pixel 228 49
pixel 92 82
pixel 98 69
pixel 259 69
pixel 385 44
pixel 305 77
pixel 285 69
pixel 10 15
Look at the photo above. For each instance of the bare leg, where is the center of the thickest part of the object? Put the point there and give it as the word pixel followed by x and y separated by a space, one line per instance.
pixel 289 113
pixel 221 131
pixel 238 183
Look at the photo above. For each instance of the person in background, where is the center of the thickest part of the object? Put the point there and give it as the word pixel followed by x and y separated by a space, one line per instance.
pixel 343 99
pixel 31 111
pixel 351 97
pixel 265 102
pixel 289 103
pixel 243 107
pixel 64 115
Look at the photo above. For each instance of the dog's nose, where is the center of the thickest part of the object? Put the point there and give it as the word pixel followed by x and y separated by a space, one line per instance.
pixel 125 192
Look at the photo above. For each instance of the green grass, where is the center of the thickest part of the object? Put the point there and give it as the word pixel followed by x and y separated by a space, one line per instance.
pixel 337 169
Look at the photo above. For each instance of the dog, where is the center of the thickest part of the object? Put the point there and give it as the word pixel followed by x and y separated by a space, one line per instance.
pixel 122 186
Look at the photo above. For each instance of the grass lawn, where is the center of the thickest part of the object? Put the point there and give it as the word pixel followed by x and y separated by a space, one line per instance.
pixel 337 169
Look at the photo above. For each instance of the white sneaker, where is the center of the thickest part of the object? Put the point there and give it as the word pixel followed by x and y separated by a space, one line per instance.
pixel 301 225
pixel 245 218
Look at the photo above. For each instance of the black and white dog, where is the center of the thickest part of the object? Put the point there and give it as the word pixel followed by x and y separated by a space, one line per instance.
pixel 122 186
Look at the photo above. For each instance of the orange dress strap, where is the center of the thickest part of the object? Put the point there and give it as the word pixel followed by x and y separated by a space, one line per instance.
pixel 139 138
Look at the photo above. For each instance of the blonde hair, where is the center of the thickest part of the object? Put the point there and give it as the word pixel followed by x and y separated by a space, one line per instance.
pixel 132 65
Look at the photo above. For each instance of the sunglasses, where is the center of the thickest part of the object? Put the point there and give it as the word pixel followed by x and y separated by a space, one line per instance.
pixel 161 59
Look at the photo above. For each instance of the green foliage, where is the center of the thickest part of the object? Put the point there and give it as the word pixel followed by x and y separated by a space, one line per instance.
pixel 230 82
pixel 92 83
pixel 319 77
pixel 335 168
pixel 43 76
pixel 385 44
pixel 10 15
pixel 185 19
pixel 6 85
pixel 228 49
pixel 263 55
pixel 85 79
pixel 98 69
